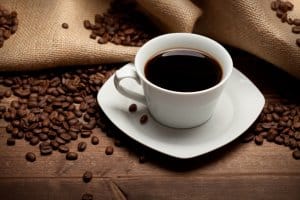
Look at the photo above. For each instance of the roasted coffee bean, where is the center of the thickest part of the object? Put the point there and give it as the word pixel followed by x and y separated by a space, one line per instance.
pixel 86 117
pixel 87 176
pixel 63 149
pixel 296 154
pixel 73 135
pixel 29 136
pixel 109 150
pixel 81 146
pixel 44 144
pixel 144 119
pixel 10 141
pixel 278 140
pixel 259 140
pixel 60 140
pixel 66 137
pixel 87 196
pixel 65 25
pixel 132 108
pixel 43 136
pixel 54 144
pixel 34 140
pixel 71 156
pixel 30 157
pixel 85 134
pixel 90 125
pixel 296 29
pixel 95 140
pixel 46 150
pixel 292 143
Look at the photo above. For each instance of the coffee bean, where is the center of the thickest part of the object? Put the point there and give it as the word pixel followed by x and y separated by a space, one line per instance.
pixel 60 140
pixel 10 141
pixel 71 156
pixel 95 140
pixel 34 140
pixel 296 29
pixel 54 144
pixel 30 157
pixel 85 134
pixel 65 25
pixel 144 119
pixel 296 154
pixel 87 176
pixel 132 108
pixel 259 140
pixel 66 137
pixel 81 146
pixel 46 150
pixel 109 150
pixel 87 196
pixel 63 149
pixel 278 140
pixel 43 136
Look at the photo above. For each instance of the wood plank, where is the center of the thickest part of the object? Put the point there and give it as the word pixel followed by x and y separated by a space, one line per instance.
pixel 206 187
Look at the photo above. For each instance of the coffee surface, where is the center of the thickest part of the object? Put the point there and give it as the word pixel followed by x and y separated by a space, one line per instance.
pixel 183 70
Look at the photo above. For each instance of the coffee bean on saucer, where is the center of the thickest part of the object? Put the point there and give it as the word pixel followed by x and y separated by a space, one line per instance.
pixel 71 156
pixel 87 176
pixel 109 150
pixel 144 119
pixel 30 157
pixel 132 108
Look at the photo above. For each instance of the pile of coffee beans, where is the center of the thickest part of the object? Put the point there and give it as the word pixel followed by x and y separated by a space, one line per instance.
pixel 282 8
pixel 8 24
pixel 54 109
pixel 122 24
pixel 280 124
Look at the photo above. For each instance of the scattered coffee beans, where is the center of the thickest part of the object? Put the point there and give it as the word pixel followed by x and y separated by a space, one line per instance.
pixel 144 119
pixel 278 123
pixel 8 24
pixel 282 8
pixel 87 176
pixel 109 150
pixel 71 156
pixel 65 25
pixel 87 196
pixel 119 27
pixel 30 157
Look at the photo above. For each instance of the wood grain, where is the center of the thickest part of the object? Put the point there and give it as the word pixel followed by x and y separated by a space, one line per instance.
pixel 236 171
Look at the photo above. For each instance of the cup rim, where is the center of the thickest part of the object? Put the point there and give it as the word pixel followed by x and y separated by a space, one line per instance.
pixel 219 84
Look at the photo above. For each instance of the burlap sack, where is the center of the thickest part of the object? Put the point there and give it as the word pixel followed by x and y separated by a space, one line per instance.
pixel 40 42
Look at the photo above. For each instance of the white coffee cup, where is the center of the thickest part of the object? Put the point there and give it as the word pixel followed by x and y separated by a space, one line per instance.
pixel 172 108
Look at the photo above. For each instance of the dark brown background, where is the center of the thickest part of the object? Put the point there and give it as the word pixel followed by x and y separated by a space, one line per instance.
pixel 236 171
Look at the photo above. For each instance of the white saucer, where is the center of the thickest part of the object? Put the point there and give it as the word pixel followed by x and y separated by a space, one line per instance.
pixel 239 106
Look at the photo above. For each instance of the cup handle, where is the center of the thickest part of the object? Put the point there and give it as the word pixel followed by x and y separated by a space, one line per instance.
pixel 132 74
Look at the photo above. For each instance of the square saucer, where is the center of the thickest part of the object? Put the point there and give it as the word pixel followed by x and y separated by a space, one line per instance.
pixel 240 104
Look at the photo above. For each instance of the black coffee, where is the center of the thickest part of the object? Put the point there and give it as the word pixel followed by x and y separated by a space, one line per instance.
pixel 183 70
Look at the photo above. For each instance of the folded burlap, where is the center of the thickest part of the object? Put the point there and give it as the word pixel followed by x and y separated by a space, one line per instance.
pixel 40 42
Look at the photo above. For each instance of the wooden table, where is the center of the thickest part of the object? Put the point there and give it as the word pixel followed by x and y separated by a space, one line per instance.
pixel 236 171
